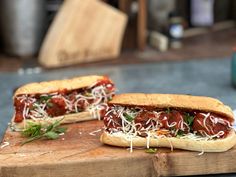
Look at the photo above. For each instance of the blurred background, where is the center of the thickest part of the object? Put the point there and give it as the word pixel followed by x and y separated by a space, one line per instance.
pixel 32 31
pixel 164 46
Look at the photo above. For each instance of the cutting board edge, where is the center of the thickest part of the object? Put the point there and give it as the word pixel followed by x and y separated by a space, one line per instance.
pixel 104 167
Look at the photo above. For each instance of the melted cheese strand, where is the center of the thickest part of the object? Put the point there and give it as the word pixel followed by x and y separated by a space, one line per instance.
pixel 204 120
pixel 93 133
pixel 131 145
pixel 148 140
pixel 4 144
pixel 201 153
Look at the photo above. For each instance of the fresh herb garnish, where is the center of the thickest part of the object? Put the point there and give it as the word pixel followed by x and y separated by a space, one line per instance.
pixel 168 111
pixel 43 99
pixel 180 133
pixel 151 150
pixel 36 131
pixel 88 94
pixel 128 117
pixel 188 119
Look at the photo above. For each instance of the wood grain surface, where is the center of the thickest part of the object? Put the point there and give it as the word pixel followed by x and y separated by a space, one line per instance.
pixel 83 31
pixel 80 153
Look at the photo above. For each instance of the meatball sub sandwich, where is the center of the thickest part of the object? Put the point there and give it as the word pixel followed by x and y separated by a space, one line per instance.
pixel 166 120
pixel 76 99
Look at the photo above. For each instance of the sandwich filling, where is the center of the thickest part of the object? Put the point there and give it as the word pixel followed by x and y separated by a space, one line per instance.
pixel 62 102
pixel 133 122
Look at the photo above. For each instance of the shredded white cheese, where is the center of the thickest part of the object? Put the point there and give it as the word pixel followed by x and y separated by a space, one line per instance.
pixel 93 133
pixel 4 144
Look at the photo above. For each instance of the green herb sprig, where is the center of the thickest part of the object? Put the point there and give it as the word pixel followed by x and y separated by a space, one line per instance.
pixel 168 111
pixel 128 117
pixel 36 131
pixel 188 119
pixel 43 99
pixel 180 133
pixel 151 150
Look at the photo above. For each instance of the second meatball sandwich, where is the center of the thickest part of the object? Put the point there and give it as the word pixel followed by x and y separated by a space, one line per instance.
pixel 166 120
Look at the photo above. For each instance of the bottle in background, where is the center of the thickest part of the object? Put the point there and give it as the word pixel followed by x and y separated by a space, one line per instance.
pixel 175 30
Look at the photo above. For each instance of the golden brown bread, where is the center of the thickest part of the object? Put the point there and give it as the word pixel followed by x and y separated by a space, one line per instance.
pixel 219 145
pixel 183 102
pixel 56 85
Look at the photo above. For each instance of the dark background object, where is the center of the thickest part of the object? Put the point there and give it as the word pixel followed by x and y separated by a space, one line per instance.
pixel 22 26
pixel 222 10
pixel 136 31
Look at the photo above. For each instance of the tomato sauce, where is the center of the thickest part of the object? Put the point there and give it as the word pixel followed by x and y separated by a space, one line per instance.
pixel 145 119
pixel 112 120
pixel 56 107
pixel 173 120
pixel 207 124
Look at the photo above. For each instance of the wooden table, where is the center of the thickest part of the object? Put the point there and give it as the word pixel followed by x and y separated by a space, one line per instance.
pixel 80 153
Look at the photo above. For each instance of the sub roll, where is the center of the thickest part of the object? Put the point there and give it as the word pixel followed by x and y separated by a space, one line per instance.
pixel 69 100
pixel 186 122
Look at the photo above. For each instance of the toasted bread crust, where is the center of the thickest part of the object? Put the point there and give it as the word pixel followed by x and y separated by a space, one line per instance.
pixel 56 85
pixel 219 145
pixel 183 102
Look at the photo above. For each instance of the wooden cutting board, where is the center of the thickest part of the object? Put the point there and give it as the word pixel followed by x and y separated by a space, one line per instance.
pixel 83 31
pixel 80 153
